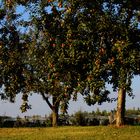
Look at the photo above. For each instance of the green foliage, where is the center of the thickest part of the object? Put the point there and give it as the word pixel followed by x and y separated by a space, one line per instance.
pixel 68 47
pixel 107 42
pixel 133 111
pixel 79 118
pixel 11 63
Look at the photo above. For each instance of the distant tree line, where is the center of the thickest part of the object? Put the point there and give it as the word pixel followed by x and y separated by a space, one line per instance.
pixel 79 118
pixel 134 111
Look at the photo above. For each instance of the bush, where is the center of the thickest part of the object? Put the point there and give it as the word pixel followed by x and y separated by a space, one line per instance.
pixel 80 118
pixel 48 123
pixel 104 122
pixel 92 122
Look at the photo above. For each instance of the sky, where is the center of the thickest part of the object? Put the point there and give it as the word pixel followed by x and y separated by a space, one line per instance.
pixel 40 107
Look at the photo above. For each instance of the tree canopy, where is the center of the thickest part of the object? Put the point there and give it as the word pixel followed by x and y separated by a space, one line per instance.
pixel 69 47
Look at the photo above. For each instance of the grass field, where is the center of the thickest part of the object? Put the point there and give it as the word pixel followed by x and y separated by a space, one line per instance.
pixel 72 133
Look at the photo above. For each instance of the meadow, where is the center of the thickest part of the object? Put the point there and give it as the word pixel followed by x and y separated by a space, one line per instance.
pixel 72 133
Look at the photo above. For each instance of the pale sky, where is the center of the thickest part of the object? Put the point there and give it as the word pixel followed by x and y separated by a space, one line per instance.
pixel 40 107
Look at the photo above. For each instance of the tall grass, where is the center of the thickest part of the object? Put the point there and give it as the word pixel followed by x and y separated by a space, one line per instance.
pixel 72 133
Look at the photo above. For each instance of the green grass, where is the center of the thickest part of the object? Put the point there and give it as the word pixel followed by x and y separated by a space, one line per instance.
pixel 72 133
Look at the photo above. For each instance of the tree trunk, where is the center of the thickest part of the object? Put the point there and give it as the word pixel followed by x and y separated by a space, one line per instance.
pixel 120 114
pixel 55 112
pixel 54 107
pixel 55 117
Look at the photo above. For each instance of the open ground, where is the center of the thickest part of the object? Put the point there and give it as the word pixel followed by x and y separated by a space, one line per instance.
pixel 72 133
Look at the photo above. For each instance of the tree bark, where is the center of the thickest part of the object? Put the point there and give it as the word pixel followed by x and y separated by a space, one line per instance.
pixel 55 112
pixel 55 117
pixel 120 114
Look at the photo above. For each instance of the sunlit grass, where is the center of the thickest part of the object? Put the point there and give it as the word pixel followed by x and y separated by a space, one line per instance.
pixel 72 133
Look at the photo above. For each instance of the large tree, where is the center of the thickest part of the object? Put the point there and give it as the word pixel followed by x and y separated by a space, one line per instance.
pixel 38 60
pixel 47 58
pixel 58 56
pixel 109 29
pixel 124 50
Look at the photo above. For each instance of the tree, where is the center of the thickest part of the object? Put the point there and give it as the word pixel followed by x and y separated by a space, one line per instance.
pixel 121 50
pixel 11 65
pixel 44 57
pixel 47 58
pixel 21 67
pixel 13 50
pixel 57 56
pixel 109 29
pixel 124 51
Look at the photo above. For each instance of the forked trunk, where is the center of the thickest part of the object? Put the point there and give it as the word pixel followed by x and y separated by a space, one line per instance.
pixel 120 114
pixel 54 107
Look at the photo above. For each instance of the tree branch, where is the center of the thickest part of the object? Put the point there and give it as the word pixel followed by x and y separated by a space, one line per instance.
pixel 47 101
